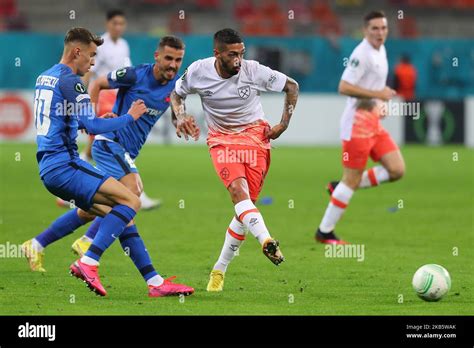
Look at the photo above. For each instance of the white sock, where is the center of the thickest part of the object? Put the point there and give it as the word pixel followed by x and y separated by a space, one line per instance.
pixel 234 238
pixel 339 200
pixel 37 246
pixel 374 176
pixel 155 280
pixel 252 219
pixel 89 261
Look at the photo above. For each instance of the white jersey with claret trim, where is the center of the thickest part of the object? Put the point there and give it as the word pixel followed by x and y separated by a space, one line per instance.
pixel 229 104
pixel 367 68
pixel 111 55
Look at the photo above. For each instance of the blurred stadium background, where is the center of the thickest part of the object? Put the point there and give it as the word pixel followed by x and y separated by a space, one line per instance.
pixel 309 40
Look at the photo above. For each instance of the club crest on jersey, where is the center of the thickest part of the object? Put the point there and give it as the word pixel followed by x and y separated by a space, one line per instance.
pixel 244 92
pixel 79 87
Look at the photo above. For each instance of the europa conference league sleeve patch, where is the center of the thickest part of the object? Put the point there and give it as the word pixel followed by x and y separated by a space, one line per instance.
pixel 79 87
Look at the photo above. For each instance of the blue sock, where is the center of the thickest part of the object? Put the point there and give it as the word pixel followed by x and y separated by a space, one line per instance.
pixel 93 228
pixel 64 225
pixel 133 245
pixel 111 227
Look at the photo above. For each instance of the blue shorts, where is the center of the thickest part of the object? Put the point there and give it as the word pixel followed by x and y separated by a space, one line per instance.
pixel 113 159
pixel 76 182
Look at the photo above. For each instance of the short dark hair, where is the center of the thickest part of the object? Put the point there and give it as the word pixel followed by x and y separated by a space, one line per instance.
pixel 114 13
pixel 226 36
pixel 171 41
pixel 373 14
pixel 82 35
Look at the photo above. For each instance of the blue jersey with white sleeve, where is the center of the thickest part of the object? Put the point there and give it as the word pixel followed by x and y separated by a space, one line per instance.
pixel 138 83
pixel 61 107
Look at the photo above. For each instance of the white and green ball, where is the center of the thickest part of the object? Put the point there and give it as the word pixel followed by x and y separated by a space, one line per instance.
pixel 431 282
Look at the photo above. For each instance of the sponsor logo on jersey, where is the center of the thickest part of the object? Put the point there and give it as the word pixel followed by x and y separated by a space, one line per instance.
pixel 153 112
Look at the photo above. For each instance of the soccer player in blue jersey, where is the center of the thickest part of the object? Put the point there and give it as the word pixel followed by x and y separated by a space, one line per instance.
pixel 115 152
pixel 62 105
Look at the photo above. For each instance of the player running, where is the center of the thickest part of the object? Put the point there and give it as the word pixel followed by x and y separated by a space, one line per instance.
pixel 64 174
pixel 229 87
pixel 364 82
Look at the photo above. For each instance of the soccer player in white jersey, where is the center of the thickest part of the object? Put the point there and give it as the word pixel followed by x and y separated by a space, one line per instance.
pixel 364 82
pixel 115 52
pixel 239 136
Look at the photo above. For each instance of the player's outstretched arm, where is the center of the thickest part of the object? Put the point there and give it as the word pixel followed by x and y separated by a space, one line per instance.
pixel 351 90
pixel 185 124
pixel 291 89
pixel 96 125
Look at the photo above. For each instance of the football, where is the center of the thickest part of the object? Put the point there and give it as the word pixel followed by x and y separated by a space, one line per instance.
pixel 431 282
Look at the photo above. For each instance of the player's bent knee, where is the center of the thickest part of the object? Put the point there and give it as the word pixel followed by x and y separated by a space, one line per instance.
pixel 397 173
pixel 131 200
pixel 353 181
pixel 136 191
pixel 133 183
pixel 353 184
pixel 137 203
pixel 237 192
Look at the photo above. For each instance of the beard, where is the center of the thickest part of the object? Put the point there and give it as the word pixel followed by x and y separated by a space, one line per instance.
pixel 231 69
pixel 169 71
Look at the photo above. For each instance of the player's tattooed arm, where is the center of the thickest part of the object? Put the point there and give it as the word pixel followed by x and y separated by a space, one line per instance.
pixel 185 124
pixel 291 89
pixel 174 120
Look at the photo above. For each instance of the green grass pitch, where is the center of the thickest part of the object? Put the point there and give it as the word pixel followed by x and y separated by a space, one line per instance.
pixel 435 225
